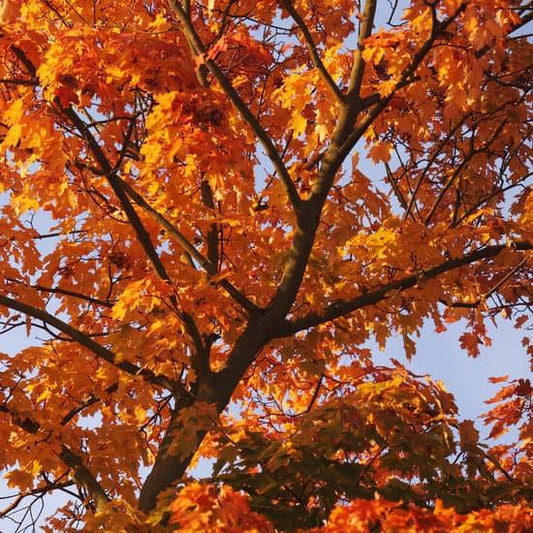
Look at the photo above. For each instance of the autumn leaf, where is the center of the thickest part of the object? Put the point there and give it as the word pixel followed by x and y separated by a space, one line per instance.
pixel 380 152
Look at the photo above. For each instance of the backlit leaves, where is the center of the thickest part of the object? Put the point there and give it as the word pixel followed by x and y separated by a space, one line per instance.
pixel 209 209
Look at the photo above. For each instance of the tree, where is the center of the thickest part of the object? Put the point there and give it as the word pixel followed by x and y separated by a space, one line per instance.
pixel 218 258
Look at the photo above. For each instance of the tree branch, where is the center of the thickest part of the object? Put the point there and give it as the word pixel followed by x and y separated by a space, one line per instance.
pixel 343 308
pixel 312 49
pixel 271 324
pixel 471 305
pixel 358 68
pixel 87 403
pixel 345 145
pixel 430 162
pixel 21 55
pixel 236 100
pixel 13 81
pixel 212 235
pixel 65 292
pixel 473 151
pixel 170 463
pixel 80 472
pixel 110 173
pixel 84 477
pixel 94 347
pixel 240 298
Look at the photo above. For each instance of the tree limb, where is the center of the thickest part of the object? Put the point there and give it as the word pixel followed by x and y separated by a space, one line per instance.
pixel 110 172
pixel 84 477
pixel 358 68
pixel 191 249
pixel 65 292
pixel 80 472
pixel 343 308
pixel 348 136
pixel 94 347
pixel 212 235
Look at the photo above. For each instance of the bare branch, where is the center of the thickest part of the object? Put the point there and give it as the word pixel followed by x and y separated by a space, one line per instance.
pixel 49 487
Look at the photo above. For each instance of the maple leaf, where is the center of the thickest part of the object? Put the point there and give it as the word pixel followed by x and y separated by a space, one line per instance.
pixel 380 152
pixel 66 96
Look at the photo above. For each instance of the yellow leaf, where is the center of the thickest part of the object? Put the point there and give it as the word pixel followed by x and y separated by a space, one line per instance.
pixel 13 135
pixel 298 123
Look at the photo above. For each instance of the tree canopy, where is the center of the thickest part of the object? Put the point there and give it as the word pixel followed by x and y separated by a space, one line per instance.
pixel 187 223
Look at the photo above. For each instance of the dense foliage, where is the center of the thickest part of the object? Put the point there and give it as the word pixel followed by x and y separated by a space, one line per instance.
pixel 188 221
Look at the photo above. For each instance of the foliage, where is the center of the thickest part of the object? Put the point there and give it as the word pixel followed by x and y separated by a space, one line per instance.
pixel 188 220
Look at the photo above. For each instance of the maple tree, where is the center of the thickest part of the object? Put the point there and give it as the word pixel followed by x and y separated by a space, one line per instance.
pixel 217 260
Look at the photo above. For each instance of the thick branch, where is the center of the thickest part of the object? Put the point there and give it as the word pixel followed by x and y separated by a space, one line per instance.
pixel 358 69
pixel 343 308
pixel 344 144
pixel 21 55
pixel 295 265
pixel 18 82
pixel 271 324
pixel 171 462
